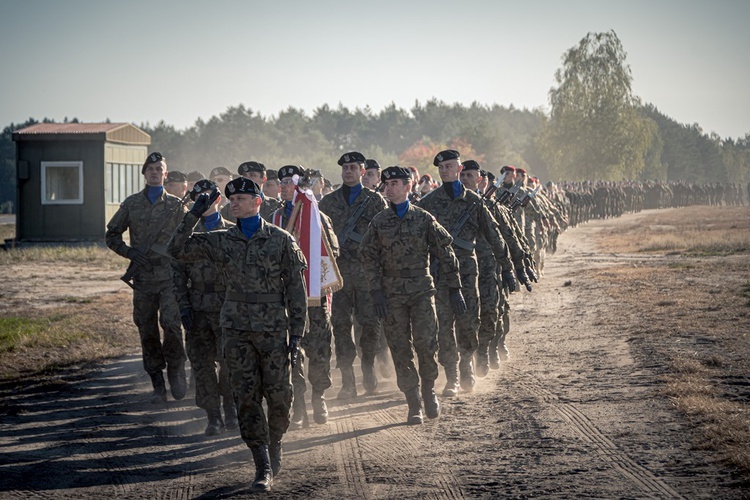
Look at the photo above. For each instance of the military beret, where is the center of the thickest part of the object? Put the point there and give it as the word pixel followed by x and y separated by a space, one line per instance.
pixel 195 176
pixel 251 166
pixel 241 185
pixel 448 154
pixel 352 157
pixel 290 170
pixel 490 176
pixel 176 176
pixel 219 171
pixel 202 186
pixel 152 158
pixel 371 164
pixel 395 172
pixel 272 175
pixel 470 165
pixel 520 170
pixel 507 168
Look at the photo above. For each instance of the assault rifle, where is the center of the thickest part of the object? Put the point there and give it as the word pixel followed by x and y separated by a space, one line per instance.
pixel 351 223
pixel 147 243
pixel 523 200
pixel 507 196
pixel 461 222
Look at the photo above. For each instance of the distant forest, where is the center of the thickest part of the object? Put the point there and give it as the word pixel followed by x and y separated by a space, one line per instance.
pixel 493 135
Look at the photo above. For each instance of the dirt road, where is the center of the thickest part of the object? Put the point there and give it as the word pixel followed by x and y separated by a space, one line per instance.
pixel 576 412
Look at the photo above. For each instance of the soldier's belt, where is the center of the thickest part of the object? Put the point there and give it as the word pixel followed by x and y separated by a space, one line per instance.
pixel 463 244
pixel 405 273
pixel 256 298
pixel 207 287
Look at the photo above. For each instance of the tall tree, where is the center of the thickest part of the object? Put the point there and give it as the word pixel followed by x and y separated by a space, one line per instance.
pixel 596 129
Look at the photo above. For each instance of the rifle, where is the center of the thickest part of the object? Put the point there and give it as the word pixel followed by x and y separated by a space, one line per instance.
pixel 523 200
pixel 147 243
pixel 461 222
pixel 508 195
pixel 351 223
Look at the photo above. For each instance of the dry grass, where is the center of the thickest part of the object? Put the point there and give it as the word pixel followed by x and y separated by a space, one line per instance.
pixel 7 231
pixel 97 255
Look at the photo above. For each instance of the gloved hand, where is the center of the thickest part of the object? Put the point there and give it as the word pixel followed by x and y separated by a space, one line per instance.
pixel 531 270
pixel 186 315
pixel 138 257
pixel 293 349
pixel 523 278
pixel 509 281
pixel 203 202
pixel 457 300
pixel 380 303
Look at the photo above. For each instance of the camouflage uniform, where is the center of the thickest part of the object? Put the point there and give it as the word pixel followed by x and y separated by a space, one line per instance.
pixel 154 302
pixel 200 287
pixel 265 298
pixel 316 344
pixel 395 254
pixel 464 341
pixel 354 298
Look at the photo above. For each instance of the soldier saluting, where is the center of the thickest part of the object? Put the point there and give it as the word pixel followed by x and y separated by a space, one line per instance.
pixel 265 299
pixel 151 215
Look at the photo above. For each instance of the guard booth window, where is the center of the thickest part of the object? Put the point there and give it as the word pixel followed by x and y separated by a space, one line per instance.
pixel 62 183
pixel 121 180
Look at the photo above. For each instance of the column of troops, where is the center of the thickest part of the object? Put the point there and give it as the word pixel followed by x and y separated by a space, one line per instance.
pixel 269 273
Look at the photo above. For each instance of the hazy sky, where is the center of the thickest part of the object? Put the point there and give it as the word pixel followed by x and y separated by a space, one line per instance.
pixel 145 61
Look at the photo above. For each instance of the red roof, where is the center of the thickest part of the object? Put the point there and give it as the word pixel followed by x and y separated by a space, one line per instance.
pixel 70 128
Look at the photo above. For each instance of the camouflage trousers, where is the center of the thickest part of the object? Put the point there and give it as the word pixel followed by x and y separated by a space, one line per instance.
pixel 155 304
pixel 489 298
pixel 353 301
pixel 411 326
pixel 204 348
pixel 259 366
pixel 316 348
pixel 458 334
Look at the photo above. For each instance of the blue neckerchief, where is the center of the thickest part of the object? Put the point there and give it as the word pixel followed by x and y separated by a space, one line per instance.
pixel 457 189
pixel 249 225
pixel 211 221
pixel 154 193
pixel 354 192
pixel 288 207
pixel 401 208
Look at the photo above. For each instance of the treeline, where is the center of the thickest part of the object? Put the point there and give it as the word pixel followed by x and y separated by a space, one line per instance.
pixel 493 135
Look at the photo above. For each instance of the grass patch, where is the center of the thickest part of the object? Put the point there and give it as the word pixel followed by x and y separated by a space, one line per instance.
pixel 7 231
pixel 13 330
pixel 100 256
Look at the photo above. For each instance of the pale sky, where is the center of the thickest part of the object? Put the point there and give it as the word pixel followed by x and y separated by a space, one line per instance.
pixel 144 61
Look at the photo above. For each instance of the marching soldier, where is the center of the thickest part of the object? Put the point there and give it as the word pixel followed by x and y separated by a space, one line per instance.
pixel 151 215
pixel 396 254
pixel 351 208
pixel 199 288
pixel 464 215
pixel 316 343
pixel 176 183
pixel 265 299
pixel 371 179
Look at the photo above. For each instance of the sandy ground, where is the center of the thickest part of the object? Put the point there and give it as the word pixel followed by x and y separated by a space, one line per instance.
pixel 577 411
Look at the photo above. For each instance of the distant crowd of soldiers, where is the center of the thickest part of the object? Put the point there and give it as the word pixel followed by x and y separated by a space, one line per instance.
pixel 267 270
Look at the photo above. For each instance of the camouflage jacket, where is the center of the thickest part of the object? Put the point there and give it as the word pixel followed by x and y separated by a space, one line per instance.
pixel 200 285
pixel 511 234
pixel 396 253
pixel 337 208
pixel 141 218
pixel 263 275
pixel 448 211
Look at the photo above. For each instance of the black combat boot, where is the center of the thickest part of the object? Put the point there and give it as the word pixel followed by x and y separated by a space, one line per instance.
pixel 466 367
pixel 299 418
pixel 177 380
pixel 349 386
pixel 431 405
pixel 160 389
pixel 215 423
pixel 483 361
pixel 320 410
pixel 415 407
pixel 451 384
pixel 263 475
pixel 494 359
pixel 274 452
pixel 369 379
pixel 230 415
